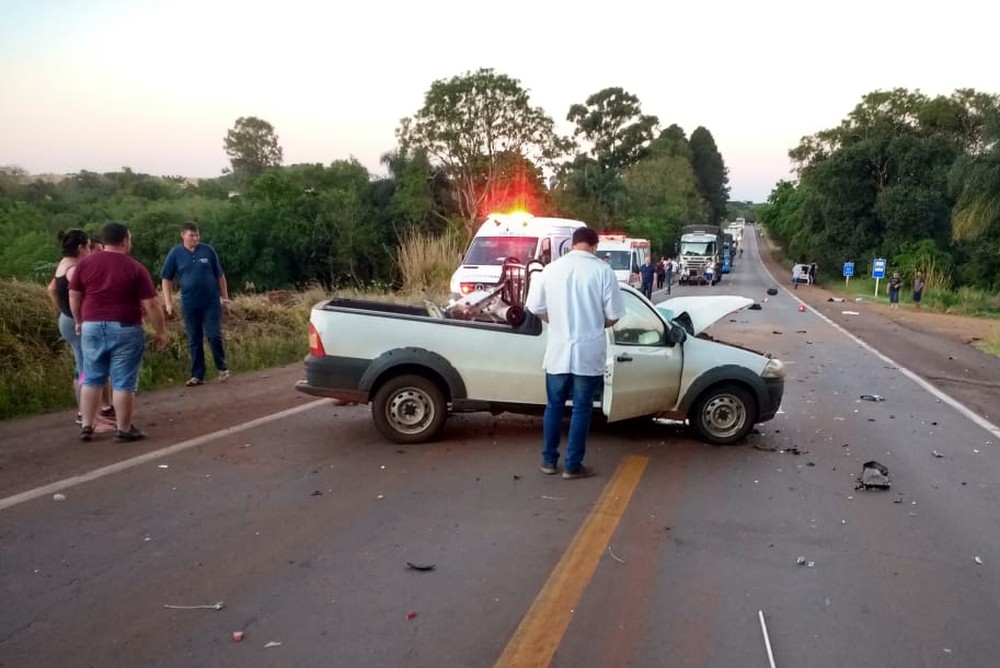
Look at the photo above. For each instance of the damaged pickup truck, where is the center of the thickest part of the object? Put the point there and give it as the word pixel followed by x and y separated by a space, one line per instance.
pixel 418 364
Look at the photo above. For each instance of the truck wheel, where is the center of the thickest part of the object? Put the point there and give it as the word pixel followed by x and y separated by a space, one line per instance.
pixel 724 414
pixel 409 409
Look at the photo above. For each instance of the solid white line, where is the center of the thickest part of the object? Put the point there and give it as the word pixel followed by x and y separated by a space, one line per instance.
pixel 150 456
pixel 954 403
pixel 767 641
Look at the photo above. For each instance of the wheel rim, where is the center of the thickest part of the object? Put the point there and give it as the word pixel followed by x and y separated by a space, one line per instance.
pixel 723 416
pixel 410 410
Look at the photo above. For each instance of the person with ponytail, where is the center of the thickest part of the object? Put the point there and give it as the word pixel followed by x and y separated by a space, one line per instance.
pixel 74 245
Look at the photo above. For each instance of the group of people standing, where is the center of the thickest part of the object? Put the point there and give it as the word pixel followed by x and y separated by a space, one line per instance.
pixel 103 294
pixel 661 272
pixel 895 284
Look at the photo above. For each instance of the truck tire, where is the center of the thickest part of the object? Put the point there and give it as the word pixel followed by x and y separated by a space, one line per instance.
pixel 723 414
pixel 409 409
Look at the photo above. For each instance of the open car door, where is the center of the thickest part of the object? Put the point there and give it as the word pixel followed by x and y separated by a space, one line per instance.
pixel 643 367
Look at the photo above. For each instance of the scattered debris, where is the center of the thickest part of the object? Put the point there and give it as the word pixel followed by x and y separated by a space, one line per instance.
pixel 850 313
pixel 764 448
pixel 163 466
pixel 380 497
pixel 978 560
pixel 622 561
pixel 801 561
pixel 214 606
pixel 411 614
pixel 772 291
pixel 237 636
pixel 420 567
pixel 517 477
pixel 58 497
pixel 835 299
pixel 872 397
pixel 754 307
pixel 273 643
pixel 937 454
pixel 767 641
pixel 794 450
pixel 800 331
pixel 552 498
pixel 873 476
pixel 859 300
pixel 317 493
pixel 775 331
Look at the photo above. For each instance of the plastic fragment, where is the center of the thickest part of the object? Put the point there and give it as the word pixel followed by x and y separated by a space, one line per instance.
pixel 58 497
pixel 979 561
pixel 936 454
pixel 411 614
pixel 872 397
pixel 420 567
pixel 237 636
pixel 272 643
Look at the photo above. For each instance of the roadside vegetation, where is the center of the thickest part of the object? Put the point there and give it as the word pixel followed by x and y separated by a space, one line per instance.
pixel 264 330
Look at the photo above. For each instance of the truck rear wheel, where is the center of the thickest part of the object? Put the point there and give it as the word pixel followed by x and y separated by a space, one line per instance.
pixel 724 414
pixel 409 409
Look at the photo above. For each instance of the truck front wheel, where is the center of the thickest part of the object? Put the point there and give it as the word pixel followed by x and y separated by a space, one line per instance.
pixel 724 414
pixel 409 409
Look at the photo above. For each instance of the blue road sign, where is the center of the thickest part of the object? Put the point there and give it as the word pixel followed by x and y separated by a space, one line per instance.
pixel 878 268
pixel 848 269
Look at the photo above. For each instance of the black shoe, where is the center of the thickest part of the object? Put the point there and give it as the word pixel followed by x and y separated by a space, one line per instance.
pixel 132 434
pixel 86 433
pixel 108 412
pixel 582 472
pixel 548 469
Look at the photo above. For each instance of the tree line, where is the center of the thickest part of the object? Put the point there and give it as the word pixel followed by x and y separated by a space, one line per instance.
pixel 908 177
pixel 475 145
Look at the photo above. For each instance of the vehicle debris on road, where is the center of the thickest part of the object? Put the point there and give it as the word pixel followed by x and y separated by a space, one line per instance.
pixel 872 397
pixel 935 453
pixel 420 567
pixel 873 476
pixel 272 643
pixel 218 605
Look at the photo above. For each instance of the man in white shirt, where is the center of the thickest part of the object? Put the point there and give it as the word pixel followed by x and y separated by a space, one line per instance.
pixel 578 295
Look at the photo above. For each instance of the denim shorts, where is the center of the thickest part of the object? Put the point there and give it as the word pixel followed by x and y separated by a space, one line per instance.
pixel 115 349
pixel 67 329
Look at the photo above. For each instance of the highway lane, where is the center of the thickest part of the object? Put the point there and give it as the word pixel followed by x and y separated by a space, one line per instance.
pixel 303 527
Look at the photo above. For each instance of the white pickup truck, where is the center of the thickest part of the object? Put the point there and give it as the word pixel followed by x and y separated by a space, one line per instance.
pixel 417 364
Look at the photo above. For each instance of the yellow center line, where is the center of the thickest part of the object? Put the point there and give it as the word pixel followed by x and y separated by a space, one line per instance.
pixel 536 639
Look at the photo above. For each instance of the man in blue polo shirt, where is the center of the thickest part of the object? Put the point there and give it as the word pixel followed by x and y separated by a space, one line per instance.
pixel 204 293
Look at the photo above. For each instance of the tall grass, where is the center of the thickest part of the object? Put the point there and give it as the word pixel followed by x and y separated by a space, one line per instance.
pixel 36 365
pixel 427 262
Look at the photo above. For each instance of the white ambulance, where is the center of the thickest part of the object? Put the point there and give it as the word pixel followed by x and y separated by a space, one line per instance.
pixel 517 235
pixel 625 255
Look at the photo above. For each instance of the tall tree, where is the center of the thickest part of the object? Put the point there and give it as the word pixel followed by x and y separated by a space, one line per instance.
pixel 612 122
pixel 711 173
pixel 252 146
pixel 470 124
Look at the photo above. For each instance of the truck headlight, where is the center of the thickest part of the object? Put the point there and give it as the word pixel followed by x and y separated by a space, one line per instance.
pixel 773 369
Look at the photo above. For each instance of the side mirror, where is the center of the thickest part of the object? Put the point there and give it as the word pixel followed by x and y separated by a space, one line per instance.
pixel 676 335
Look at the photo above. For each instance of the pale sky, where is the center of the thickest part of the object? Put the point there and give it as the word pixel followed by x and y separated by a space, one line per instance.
pixel 102 84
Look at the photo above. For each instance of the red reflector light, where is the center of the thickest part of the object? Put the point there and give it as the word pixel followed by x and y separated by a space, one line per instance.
pixel 467 288
pixel 315 343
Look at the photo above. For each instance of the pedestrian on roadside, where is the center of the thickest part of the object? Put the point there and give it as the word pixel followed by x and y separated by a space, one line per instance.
pixel 668 277
pixel 578 296
pixel 108 293
pixel 895 283
pixel 204 296
pixel 647 272
pixel 812 274
pixel 661 272
pixel 74 246
pixel 918 290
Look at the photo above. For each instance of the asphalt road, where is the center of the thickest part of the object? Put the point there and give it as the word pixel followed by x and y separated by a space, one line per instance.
pixel 303 526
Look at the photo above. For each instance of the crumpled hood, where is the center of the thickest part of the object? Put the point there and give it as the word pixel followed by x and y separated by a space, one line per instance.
pixel 702 311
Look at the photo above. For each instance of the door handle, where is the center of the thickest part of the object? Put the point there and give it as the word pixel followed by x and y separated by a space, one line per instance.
pixel 623 358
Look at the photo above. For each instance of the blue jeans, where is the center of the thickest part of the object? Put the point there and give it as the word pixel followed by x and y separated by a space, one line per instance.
pixel 560 387
pixel 201 323
pixel 115 349
pixel 67 330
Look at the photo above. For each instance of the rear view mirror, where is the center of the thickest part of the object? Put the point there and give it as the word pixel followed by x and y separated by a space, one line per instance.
pixel 676 334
